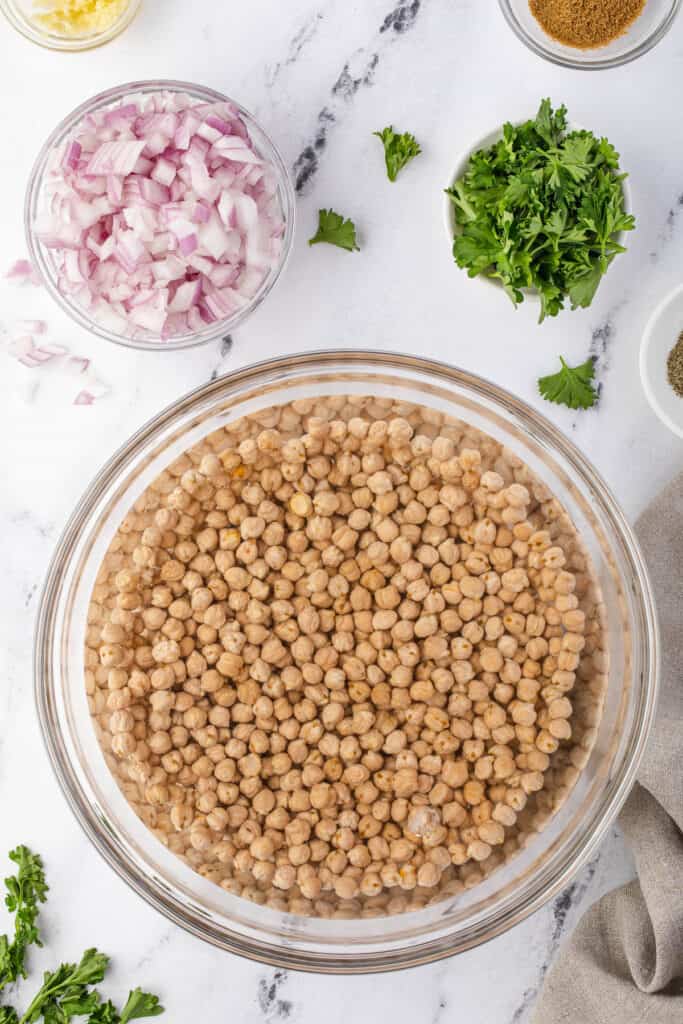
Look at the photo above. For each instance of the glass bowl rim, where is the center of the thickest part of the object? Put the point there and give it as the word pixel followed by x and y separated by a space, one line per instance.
pixel 544 883
pixel 213 331
pixel 550 54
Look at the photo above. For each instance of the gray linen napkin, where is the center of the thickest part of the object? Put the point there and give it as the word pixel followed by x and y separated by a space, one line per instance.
pixel 624 962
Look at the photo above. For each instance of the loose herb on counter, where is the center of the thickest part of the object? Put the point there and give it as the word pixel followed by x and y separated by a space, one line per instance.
pixel 25 891
pixel 67 992
pixel 571 386
pixel 541 209
pixel 399 149
pixel 333 229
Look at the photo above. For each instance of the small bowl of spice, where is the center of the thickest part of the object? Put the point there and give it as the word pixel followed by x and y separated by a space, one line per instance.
pixel 661 361
pixel 588 35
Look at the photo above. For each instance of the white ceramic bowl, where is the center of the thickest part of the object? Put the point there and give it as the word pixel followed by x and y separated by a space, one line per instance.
pixel 660 336
pixel 452 228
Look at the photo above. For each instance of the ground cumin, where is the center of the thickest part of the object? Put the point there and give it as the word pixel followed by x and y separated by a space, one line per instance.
pixel 586 24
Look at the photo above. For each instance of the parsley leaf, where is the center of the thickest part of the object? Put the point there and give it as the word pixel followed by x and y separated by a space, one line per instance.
pixel 398 150
pixel 65 992
pixel 105 1013
pixel 541 210
pixel 571 386
pixel 332 228
pixel 25 891
pixel 8 1015
pixel 140 1004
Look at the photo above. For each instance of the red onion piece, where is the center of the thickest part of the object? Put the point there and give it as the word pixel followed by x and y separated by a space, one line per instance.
pixel 72 155
pixel 23 272
pixel 188 244
pixel 29 354
pixel 115 158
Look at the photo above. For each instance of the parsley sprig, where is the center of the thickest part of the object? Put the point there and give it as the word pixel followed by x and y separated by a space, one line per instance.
pixel 333 229
pixel 68 992
pixel 399 149
pixel 25 891
pixel 541 209
pixel 571 386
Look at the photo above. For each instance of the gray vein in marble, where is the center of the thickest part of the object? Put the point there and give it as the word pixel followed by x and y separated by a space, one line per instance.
pixel 224 349
pixel 357 73
pixel 599 350
pixel 602 341
pixel 665 236
pixel 297 45
pixel 147 958
pixel 348 84
pixel 563 904
pixel 25 517
pixel 442 1002
pixel 270 1004
pixel 402 17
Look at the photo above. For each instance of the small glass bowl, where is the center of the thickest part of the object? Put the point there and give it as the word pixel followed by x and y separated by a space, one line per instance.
pixel 644 33
pixel 21 15
pixel 43 258
pixel 344 945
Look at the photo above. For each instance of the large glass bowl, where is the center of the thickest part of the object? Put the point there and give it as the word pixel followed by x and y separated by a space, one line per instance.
pixel 645 32
pixel 43 258
pixel 551 857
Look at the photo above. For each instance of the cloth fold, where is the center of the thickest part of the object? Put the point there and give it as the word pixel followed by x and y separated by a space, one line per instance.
pixel 624 962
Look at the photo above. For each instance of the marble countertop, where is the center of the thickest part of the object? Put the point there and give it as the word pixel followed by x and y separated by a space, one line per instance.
pixel 322 75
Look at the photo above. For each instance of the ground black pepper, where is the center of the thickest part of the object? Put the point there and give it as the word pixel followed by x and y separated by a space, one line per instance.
pixel 586 24
pixel 674 366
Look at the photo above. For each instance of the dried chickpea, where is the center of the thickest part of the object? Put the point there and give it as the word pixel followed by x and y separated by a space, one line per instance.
pixel 331 652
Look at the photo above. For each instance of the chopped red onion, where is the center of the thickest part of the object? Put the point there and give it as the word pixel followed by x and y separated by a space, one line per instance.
pixel 23 272
pixel 30 327
pixel 25 350
pixel 114 157
pixel 58 360
pixel 72 155
pixel 77 364
pixel 160 215
pixel 188 244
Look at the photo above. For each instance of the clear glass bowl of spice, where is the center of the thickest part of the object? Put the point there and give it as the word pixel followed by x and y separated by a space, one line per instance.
pixel 70 24
pixel 589 36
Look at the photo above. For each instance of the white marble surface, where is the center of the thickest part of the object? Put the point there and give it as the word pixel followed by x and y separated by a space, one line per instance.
pixel 322 75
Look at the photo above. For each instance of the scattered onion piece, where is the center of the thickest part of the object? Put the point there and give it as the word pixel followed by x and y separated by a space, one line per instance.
pixel 30 327
pixel 23 348
pixel 77 364
pixel 23 272
pixel 29 354
pixel 93 390
pixel 160 215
